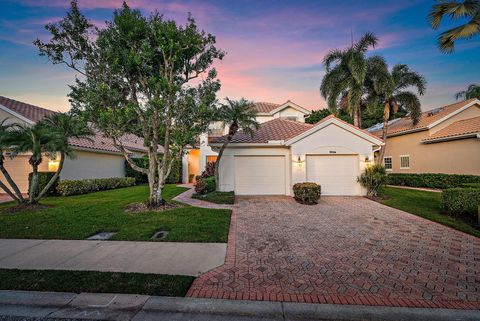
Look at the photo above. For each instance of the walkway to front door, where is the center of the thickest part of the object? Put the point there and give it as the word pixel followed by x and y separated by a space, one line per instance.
pixel 345 250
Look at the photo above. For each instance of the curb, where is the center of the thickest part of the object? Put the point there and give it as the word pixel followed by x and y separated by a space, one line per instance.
pixel 104 306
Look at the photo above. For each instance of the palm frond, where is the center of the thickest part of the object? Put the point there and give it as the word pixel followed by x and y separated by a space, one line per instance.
pixel 411 103
pixel 368 40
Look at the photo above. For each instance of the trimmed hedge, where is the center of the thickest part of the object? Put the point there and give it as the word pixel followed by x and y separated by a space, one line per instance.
pixel 84 186
pixel 441 181
pixel 205 185
pixel 43 179
pixel 461 201
pixel 307 193
pixel 140 178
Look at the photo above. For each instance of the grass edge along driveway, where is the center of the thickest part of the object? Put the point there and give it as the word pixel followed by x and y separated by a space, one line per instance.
pixel 424 204
pixel 78 217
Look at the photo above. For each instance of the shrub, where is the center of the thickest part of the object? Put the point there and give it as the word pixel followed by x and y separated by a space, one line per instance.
pixel 440 181
pixel 43 179
pixel 204 185
pixel 84 186
pixel 140 178
pixel 209 170
pixel 307 193
pixel 374 177
pixel 461 201
pixel 471 185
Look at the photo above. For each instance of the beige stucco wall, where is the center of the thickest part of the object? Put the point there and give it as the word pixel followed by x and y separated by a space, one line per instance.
pixel 450 157
pixel 93 165
pixel 19 168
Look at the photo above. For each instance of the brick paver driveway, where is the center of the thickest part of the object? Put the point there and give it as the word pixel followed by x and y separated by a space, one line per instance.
pixel 346 250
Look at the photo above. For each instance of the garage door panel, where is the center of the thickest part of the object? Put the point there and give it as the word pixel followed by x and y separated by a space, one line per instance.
pixel 337 175
pixel 260 175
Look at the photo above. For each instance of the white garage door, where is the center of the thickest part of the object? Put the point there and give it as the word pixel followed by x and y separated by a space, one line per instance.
pixel 337 175
pixel 260 175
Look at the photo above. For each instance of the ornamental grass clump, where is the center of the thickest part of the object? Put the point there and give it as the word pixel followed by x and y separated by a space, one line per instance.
pixel 307 193
pixel 374 177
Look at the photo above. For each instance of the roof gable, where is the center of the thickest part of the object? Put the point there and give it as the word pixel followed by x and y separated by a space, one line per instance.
pixel 331 119
pixel 264 108
pixel 25 112
pixel 460 129
pixel 427 120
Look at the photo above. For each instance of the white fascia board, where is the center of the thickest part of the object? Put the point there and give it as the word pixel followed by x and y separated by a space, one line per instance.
pixel 335 121
pixel 290 104
pixel 234 145
pixel 435 123
pixel 16 115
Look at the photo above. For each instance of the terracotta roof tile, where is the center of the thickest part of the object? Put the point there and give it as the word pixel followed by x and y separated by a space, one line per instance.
pixel 426 118
pixel 276 129
pixel 98 142
pixel 458 128
pixel 31 112
pixel 264 107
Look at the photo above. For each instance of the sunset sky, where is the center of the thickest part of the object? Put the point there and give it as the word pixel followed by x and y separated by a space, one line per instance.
pixel 274 48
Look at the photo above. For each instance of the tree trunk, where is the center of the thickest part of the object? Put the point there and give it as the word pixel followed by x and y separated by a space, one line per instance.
pixel 33 184
pixel 386 116
pixel 356 118
pixel 53 179
pixel 359 116
pixel 217 165
pixel 19 197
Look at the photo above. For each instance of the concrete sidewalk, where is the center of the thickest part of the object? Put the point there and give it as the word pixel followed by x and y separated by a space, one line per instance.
pixel 113 256
pixel 22 305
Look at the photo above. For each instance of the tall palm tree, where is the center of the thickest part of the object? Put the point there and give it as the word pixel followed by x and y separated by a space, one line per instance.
pixel 237 115
pixel 345 77
pixel 469 9
pixel 5 137
pixel 37 140
pixel 391 89
pixel 63 127
pixel 473 91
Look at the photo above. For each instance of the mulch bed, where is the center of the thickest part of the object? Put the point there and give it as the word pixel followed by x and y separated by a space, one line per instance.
pixel 24 207
pixel 143 207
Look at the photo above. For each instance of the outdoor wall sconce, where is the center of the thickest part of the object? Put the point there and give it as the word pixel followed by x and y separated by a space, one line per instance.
pixel 299 161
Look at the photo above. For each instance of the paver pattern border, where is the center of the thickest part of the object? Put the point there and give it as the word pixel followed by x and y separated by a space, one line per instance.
pixel 202 287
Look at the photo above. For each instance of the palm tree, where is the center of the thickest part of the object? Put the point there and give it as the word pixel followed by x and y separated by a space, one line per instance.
pixel 5 137
pixel 37 140
pixel 469 9
pixel 63 127
pixel 237 115
pixel 391 89
pixel 473 91
pixel 345 77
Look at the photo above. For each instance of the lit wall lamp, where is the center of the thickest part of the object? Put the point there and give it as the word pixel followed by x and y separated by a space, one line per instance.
pixel 53 164
pixel 299 161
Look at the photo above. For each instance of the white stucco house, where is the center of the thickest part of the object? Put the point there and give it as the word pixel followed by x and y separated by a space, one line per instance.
pixel 283 152
pixel 196 158
pixel 95 158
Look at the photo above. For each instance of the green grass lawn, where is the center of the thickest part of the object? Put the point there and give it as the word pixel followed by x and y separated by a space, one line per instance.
pixel 424 204
pixel 217 197
pixel 97 282
pixel 78 217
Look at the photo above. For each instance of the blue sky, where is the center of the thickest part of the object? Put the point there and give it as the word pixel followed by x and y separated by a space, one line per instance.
pixel 274 48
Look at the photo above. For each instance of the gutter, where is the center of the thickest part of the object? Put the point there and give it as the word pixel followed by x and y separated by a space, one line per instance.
pixel 230 145
pixel 448 138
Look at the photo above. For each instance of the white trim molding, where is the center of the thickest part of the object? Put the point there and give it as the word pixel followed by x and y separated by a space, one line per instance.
pixel 458 111
pixel 448 138
pixel 17 115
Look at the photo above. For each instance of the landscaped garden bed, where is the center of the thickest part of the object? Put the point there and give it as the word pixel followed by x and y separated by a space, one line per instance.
pixel 216 197
pixel 95 282
pixel 81 216
pixel 427 205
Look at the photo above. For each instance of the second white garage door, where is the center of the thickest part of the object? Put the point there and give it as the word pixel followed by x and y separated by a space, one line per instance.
pixel 260 175
pixel 337 175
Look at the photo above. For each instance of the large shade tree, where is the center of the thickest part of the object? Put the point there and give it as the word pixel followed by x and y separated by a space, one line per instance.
pixel 236 115
pixel 389 89
pixel 344 81
pixel 139 75
pixel 466 10
pixel 472 91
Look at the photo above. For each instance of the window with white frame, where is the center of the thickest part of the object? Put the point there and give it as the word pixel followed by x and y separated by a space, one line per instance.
pixel 404 161
pixel 387 162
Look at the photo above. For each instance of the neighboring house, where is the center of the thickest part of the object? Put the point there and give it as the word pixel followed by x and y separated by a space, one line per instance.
pixel 195 160
pixel 445 140
pixel 95 158
pixel 283 152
